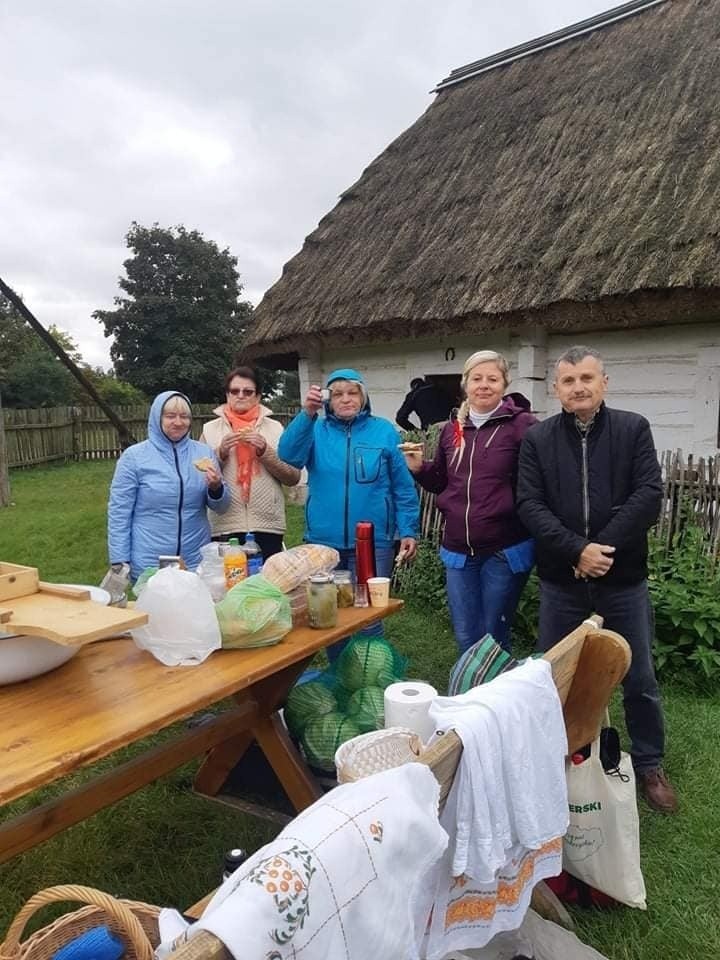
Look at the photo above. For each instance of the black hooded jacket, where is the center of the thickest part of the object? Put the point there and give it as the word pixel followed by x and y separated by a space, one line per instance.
pixel 428 402
pixel 614 498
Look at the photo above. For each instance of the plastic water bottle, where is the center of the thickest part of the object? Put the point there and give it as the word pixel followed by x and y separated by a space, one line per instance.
pixel 253 554
pixel 232 860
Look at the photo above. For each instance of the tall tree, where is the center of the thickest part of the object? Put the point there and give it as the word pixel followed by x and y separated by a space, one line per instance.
pixel 180 323
pixel 32 376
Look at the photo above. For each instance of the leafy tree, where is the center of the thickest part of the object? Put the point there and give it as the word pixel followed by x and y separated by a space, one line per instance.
pixel 285 391
pixel 181 320
pixel 113 391
pixel 32 375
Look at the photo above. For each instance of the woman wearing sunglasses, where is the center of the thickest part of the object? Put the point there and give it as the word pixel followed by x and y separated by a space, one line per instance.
pixel 245 437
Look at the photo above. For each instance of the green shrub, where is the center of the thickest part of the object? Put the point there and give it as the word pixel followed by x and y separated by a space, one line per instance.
pixel 685 591
pixel 423 583
pixel 423 580
pixel 525 624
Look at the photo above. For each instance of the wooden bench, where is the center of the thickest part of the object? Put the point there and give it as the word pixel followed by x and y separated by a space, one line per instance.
pixel 587 666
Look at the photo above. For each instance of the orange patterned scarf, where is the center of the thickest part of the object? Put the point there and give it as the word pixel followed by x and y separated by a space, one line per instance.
pixel 247 461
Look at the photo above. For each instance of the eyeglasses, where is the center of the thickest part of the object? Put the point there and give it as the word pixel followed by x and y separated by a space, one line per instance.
pixel 241 391
pixel 185 417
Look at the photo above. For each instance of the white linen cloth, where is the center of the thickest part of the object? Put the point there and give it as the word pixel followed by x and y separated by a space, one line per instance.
pixel 506 811
pixel 538 938
pixel 341 879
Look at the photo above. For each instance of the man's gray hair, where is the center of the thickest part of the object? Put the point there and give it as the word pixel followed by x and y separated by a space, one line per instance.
pixel 577 354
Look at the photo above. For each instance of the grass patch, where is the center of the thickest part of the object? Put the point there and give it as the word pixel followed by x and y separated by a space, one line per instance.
pixel 164 845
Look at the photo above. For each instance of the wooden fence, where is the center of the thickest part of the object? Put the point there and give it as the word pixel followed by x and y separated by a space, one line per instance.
pixel 83 433
pixel 691 492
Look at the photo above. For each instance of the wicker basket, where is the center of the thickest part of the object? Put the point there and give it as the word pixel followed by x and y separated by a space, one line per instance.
pixel 136 924
pixel 376 751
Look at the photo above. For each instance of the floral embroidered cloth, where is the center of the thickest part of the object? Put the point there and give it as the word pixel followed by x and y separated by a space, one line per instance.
pixel 340 881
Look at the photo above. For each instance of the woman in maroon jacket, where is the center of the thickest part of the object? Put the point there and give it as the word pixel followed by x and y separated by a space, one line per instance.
pixel 485 549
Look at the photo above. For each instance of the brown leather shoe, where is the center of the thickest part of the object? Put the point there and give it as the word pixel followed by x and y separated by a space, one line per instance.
pixel 658 791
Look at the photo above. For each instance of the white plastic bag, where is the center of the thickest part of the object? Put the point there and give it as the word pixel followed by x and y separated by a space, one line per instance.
pixel 211 570
pixel 182 628
pixel 602 845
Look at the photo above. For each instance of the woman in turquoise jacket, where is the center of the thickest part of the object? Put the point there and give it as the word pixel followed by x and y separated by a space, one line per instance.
pixel 158 498
pixel 355 472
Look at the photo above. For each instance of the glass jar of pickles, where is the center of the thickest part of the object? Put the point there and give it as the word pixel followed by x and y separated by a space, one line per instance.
pixel 322 601
pixel 344 587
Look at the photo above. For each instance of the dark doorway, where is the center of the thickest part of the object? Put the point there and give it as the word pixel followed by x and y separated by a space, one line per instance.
pixel 449 383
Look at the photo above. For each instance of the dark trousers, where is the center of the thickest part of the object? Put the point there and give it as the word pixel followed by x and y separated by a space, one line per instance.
pixel 269 543
pixel 626 610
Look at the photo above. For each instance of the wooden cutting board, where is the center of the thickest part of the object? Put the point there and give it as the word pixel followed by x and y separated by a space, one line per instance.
pixel 66 616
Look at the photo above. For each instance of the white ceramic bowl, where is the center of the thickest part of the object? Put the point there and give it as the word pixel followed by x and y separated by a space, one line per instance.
pixel 23 657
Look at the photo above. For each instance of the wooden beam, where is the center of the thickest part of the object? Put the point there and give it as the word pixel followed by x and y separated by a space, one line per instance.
pixel 126 438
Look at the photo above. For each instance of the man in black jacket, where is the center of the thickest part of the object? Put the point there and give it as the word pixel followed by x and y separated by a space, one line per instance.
pixel 589 489
pixel 426 400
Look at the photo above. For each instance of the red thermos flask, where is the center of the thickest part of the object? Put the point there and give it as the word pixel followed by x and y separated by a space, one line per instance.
pixel 364 551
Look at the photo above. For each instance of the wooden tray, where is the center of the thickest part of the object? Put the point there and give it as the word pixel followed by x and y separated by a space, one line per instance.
pixel 17 581
pixel 65 615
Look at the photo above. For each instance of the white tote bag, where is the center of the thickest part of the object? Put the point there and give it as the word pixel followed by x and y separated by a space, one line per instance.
pixel 602 845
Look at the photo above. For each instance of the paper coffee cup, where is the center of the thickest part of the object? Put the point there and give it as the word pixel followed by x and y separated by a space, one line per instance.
pixel 379 591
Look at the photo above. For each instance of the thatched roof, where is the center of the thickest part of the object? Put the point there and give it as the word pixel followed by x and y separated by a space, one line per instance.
pixel 578 184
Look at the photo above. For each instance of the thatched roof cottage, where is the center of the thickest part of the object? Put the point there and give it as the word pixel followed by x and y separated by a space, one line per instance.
pixel 564 190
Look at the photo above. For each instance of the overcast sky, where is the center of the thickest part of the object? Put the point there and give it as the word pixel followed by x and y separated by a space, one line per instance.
pixel 244 119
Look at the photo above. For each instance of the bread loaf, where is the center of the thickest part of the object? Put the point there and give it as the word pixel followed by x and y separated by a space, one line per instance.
pixel 287 570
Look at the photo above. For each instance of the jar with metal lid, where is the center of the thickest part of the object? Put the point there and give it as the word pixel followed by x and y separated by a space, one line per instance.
pixel 344 586
pixel 322 601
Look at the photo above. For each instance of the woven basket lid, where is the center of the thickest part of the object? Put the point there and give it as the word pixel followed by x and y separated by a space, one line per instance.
pixel 376 751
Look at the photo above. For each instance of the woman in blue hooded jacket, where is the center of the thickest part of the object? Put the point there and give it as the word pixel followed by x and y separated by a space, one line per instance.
pixel 158 497
pixel 355 472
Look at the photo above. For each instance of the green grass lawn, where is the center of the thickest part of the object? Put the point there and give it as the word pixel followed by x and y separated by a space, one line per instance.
pixel 165 845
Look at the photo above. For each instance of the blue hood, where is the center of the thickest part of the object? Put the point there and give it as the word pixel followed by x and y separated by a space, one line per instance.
pixel 347 373
pixel 155 431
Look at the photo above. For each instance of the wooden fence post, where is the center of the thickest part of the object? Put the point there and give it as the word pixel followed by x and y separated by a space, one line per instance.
pixel 76 415
pixel 4 478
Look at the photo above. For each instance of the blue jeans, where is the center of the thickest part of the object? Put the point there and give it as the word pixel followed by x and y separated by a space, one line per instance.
pixel 384 557
pixel 629 612
pixel 483 597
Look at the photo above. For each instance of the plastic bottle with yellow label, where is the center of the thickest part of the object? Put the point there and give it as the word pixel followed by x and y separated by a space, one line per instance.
pixel 234 563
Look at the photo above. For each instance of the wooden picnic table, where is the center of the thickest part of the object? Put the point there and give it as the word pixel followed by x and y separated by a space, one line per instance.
pixel 112 694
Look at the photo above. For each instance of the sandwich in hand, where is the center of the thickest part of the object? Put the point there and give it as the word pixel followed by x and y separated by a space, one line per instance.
pixel 203 464
pixel 409 447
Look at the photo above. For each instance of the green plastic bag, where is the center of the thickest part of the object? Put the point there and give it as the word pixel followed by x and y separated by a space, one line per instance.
pixel 253 613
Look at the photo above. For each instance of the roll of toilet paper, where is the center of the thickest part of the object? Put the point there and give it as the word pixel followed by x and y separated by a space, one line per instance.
pixel 407 705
